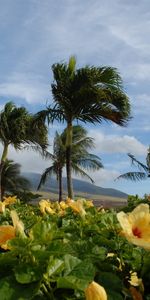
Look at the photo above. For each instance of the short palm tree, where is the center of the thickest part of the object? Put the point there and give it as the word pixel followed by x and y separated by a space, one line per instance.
pixel 144 169
pixel 18 127
pixel 12 180
pixel 81 159
pixel 89 94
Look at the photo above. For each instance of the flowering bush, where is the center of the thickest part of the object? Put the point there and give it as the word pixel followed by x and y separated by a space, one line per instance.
pixel 73 251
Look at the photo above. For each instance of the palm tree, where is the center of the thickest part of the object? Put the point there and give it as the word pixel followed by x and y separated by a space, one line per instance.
pixel 89 94
pixel 12 180
pixel 140 175
pixel 81 159
pixel 18 127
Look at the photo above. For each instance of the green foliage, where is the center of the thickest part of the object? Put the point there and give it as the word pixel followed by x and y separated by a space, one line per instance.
pixel 62 254
pixel 11 179
pixel 133 201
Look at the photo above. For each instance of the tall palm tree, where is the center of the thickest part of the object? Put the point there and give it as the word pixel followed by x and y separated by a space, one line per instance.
pixel 81 159
pixel 144 169
pixel 18 127
pixel 89 94
pixel 12 180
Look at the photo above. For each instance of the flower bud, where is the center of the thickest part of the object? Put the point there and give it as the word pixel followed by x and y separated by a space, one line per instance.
pixel 94 291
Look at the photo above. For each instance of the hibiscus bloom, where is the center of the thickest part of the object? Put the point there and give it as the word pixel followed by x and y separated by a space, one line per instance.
pixel 10 200
pixel 95 291
pixel 77 206
pixel 45 207
pixel 8 232
pixel 136 225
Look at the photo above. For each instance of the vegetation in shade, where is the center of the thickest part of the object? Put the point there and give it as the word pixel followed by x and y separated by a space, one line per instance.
pixel 19 127
pixel 62 251
pixel 11 179
pixel 88 94
pixel 144 169
pixel 81 159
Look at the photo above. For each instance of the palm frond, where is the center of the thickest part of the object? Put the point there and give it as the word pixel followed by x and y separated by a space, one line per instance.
pixel 78 171
pixel 89 162
pixel 134 176
pixel 38 149
pixel 136 162
pixel 47 173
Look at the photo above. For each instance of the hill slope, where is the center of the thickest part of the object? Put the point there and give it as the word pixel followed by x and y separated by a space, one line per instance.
pixel 79 186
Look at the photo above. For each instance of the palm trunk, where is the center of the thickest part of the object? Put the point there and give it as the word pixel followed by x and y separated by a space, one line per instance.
pixel 60 184
pixel 3 158
pixel 68 161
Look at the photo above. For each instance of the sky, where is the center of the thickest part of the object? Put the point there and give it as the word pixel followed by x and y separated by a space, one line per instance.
pixel 34 34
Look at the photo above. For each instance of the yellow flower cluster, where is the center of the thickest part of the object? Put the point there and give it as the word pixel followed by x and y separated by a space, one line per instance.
pixel 136 225
pixel 6 202
pixel 45 207
pixel 77 206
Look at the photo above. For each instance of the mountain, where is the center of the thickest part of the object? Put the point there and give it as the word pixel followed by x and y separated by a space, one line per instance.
pixel 79 186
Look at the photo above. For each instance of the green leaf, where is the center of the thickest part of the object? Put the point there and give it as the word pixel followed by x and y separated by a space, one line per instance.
pixel 110 281
pixel 113 295
pixel 79 277
pixel 70 263
pixel 72 282
pixel 43 231
pixel 11 290
pixel 54 266
pixel 85 270
pixel 27 274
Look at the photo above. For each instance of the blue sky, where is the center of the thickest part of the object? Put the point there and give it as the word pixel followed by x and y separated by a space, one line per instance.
pixel 34 34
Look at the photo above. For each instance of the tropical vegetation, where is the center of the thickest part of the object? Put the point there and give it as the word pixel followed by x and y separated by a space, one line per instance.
pixel 74 251
pixel 11 179
pixel 19 127
pixel 144 169
pixel 88 94
pixel 81 159
pixel 70 249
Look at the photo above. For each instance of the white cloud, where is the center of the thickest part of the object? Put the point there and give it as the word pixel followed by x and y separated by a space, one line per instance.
pixel 25 86
pixel 117 144
pixel 30 161
pixel 104 176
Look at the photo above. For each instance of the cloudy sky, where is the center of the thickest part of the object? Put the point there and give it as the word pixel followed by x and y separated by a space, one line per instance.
pixel 34 34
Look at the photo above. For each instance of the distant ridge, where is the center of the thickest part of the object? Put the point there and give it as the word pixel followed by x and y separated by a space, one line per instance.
pixel 79 186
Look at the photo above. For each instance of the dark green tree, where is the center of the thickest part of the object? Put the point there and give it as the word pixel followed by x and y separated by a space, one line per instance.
pixel 11 180
pixel 89 94
pixel 81 159
pixel 19 127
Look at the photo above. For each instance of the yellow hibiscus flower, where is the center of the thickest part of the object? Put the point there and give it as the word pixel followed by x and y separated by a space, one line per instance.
pixel 136 225
pixel 9 200
pixel 63 205
pixel 95 291
pixel 77 206
pixel 8 232
pixel 45 206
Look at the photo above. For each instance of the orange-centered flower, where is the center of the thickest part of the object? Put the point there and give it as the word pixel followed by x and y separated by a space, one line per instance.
pixel 7 232
pixel 136 225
